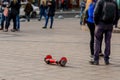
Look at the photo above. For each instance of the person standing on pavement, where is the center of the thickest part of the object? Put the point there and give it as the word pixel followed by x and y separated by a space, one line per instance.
pixel 42 10
pixel 82 8
pixel 4 5
pixel 105 16
pixel 91 27
pixel 50 12
pixel 14 6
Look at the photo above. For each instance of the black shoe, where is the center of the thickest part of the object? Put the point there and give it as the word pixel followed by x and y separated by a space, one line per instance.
pixel 94 62
pixel 50 27
pixel 28 20
pixel 107 62
pixel 101 54
pixel 39 19
pixel 44 27
pixel 13 30
pixel 17 29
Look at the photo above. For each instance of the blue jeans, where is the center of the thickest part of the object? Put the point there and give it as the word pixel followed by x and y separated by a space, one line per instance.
pixel 47 18
pixel 3 20
pixel 17 22
pixel 100 30
pixel 42 14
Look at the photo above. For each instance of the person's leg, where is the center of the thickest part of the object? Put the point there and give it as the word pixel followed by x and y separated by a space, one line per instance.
pixel 8 19
pixel 28 17
pixel 100 52
pixel 91 27
pixel 17 22
pixel 44 15
pixel 108 35
pixel 40 17
pixel 97 42
pixel 14 22
pixel 52 19
pixel 46 21
pixel 2 22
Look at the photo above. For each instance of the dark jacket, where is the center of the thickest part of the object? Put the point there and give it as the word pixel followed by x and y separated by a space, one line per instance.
pixel 14 8
pixel 98 12
pixel 28 8
pixel 51 8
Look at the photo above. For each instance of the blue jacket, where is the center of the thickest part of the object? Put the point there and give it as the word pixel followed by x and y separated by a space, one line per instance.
pixel 90 13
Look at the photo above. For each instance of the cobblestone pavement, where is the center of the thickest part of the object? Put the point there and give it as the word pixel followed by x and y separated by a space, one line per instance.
pixel 22 53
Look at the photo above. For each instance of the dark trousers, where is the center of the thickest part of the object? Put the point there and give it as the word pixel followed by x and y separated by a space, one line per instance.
pixel 91 27
pixel 27 15
pixel 100 30
pixel 11 16
pixel 47 18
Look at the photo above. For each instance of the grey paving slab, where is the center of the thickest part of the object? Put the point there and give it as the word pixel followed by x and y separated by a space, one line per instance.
pixel 22 53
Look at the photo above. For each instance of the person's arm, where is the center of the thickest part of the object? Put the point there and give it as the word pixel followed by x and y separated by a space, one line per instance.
pixel 117 14
pixel 98 11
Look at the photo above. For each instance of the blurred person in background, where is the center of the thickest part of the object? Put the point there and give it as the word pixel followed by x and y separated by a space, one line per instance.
pixel 42 10
pixel 28 9
pixel 4 5
pixel 50 12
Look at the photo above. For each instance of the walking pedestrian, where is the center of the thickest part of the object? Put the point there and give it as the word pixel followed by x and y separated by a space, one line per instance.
pixel 42 10
pixel 105 16
pixel 28 9
pixel 50 13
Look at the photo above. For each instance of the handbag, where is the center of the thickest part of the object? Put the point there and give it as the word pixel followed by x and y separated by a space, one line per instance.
pixel 5 12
